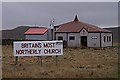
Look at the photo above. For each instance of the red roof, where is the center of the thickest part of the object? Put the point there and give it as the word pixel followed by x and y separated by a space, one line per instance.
pixel 40 30
pixel 77 26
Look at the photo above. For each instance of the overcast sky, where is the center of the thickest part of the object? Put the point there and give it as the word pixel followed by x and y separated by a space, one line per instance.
pixel 103 14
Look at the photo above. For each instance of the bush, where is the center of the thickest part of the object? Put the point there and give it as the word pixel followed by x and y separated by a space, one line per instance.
pixel 7 42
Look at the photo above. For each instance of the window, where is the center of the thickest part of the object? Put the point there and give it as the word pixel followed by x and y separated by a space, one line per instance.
pixel 109 38
pixel 71 38
pixel 60 38
pixel 104 38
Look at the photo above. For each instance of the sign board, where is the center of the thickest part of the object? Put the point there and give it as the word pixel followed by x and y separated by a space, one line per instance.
pixel 38 48
pixel 94 37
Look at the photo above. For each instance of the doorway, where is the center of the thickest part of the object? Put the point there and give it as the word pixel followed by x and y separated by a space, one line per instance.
pixel 83 41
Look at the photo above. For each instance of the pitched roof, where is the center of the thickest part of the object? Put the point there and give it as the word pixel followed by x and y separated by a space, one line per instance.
pixel 37 30
pixel 77 26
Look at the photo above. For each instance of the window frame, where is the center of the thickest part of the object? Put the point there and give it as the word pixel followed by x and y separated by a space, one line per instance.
pixel 60 37
pixel 109 38
pixel 71 37
pixel 104 38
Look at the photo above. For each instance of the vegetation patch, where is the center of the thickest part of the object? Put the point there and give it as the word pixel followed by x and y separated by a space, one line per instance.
pixel 75 63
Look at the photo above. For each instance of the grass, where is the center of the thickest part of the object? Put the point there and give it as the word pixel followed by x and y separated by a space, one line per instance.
pixel 75 63
pixel 116 44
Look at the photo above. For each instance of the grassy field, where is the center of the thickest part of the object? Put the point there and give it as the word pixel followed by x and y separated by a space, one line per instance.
pixel 116 44
pixel 75 63
pixel 0 62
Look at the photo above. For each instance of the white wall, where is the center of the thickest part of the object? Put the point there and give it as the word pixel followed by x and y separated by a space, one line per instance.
pixel 83 32
pixel 64 35
pixel 106 44
pixel 76 41
pixel 92 41
pixel 37 37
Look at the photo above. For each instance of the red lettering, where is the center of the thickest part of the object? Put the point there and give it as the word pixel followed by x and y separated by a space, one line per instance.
pixel 39 51
pixel 24 45
pixel 49 45
pixel 45 44
pixel 31 45
pixel 19 51
pixel 52 51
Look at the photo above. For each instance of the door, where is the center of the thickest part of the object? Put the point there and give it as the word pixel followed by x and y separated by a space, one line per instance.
pixel 84 41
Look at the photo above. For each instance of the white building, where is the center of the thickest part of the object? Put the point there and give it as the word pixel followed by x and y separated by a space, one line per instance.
pixel 38 33
pixel 77 34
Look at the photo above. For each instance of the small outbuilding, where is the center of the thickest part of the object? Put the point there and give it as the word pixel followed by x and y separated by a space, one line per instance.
pixel 77 34
pixel 38 33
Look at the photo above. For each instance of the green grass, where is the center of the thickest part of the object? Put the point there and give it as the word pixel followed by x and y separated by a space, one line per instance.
pixel 116 44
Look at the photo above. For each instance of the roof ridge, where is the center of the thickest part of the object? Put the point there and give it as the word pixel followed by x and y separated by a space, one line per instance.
pixel 76 26
pixel 90 25
pixel 95 27
pixel 65 23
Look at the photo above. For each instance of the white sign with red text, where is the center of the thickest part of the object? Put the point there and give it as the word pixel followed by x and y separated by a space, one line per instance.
pixel 38 48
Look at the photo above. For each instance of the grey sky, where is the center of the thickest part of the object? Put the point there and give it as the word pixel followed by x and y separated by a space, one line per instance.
pixel 60 0
pixel 39 13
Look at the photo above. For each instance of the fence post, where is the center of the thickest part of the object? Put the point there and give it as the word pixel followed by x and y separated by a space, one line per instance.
pixel 56 60
pixel 16 60
pixel 41 60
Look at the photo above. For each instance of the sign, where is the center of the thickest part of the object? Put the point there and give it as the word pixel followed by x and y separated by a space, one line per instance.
pixel 94 37
pixel 38 48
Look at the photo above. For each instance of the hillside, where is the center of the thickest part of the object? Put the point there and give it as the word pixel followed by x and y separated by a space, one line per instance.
pixel 16 33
